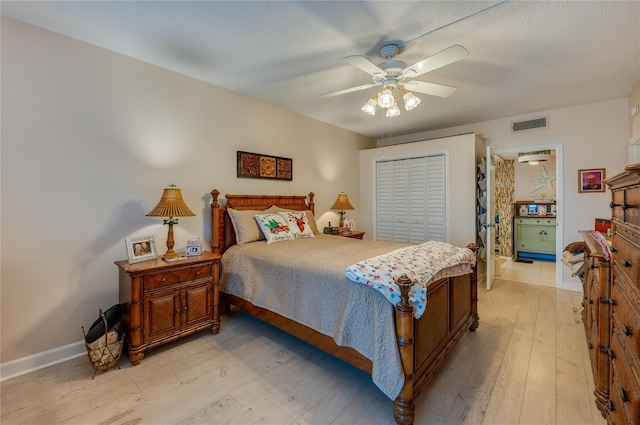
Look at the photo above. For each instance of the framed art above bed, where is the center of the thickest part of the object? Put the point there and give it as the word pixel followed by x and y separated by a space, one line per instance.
pixel 259 166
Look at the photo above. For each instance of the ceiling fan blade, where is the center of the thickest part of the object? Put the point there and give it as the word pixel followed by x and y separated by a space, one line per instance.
pixel 365 65
pixel 437 60
pixel 432 89
pixel 349 90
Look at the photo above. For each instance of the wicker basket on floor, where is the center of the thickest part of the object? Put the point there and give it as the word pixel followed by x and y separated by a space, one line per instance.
pixel 105 352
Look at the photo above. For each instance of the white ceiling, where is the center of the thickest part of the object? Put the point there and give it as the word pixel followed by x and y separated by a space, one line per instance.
pixel 524 56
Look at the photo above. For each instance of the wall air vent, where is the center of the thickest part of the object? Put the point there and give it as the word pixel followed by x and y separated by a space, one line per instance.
pixel 529 124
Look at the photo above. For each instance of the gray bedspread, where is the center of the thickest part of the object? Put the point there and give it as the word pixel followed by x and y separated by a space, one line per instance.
pixel 304 280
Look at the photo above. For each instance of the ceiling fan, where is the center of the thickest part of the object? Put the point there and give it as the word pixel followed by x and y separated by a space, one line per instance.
pixel 393 73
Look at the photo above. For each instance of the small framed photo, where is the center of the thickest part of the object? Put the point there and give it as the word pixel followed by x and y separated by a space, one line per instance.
pixel 591 180
pixel 141 248
pixel 194 247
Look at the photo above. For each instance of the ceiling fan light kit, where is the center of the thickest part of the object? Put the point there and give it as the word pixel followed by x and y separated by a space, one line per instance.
pixel 393 111
pixel 370 106
pixel 392 74
pixel 410 99
pixel 386 99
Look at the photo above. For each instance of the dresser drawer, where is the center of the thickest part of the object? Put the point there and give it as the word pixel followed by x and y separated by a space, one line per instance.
pixel 626 322
pixel 177 276
pixel 626 254
pixel 625 391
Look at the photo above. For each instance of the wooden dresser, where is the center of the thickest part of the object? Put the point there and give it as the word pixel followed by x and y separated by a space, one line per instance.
pixel 624 353
pixel 596 314
pixel 166 301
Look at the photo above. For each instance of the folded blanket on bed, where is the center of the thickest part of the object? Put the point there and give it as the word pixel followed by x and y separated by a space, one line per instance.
pixel 421 263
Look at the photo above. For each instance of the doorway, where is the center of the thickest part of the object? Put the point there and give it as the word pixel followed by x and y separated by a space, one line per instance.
pixel 535 269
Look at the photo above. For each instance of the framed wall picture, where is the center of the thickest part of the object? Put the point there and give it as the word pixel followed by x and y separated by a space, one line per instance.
pixel 591 180
pixel 259 166
pixel 141 248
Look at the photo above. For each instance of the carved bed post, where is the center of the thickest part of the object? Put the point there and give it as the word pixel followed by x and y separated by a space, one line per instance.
pixel 403 405
pixel 312 205
pixel 474 291
pixel 215 222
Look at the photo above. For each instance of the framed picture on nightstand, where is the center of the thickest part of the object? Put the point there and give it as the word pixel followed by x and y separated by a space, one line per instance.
pixel 141 248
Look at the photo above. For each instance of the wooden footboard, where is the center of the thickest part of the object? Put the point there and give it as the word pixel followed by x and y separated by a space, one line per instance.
pixel 423 344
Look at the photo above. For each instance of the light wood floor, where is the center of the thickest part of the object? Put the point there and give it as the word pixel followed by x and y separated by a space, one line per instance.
pixel 526 364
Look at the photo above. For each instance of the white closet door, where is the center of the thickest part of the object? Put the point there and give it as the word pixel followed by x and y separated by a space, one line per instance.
pixel 417 200
pixel 436 199
pixel 384 201
pixel 411 199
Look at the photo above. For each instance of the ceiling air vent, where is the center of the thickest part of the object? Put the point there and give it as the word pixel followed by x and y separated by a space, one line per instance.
pixel 529 124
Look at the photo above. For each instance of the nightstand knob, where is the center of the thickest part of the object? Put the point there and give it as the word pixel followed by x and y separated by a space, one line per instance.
pixel 164 279
pixel 198 273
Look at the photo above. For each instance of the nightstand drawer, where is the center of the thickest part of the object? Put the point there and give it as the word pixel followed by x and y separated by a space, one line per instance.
pixel 174 277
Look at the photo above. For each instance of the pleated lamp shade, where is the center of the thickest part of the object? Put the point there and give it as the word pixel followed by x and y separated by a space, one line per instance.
pixel 171 205
pixel 342 203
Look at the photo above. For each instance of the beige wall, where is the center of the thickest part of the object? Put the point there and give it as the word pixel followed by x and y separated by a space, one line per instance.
pixel 89 140
pixel 593 135
pixel 634 120
pixel 463 153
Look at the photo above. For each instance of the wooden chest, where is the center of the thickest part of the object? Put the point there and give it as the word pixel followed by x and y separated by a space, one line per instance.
pixel 596 315
pixel 624 354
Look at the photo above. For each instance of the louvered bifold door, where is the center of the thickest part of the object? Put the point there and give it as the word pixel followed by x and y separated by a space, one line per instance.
pixel 411 199
pixel 436 205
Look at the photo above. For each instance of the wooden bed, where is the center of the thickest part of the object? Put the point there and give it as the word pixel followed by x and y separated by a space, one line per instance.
pixel 423 343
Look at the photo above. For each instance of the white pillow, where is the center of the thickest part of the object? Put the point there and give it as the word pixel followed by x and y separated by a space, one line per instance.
pixel 298 223
pixel 245 226
pixel 274 227
pixel 310 218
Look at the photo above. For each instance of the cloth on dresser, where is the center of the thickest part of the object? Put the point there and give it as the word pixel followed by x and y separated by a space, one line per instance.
pixel 574 261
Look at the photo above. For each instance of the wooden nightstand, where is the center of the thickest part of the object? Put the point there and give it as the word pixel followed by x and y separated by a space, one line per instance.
pixel 355 235
pixel 166 301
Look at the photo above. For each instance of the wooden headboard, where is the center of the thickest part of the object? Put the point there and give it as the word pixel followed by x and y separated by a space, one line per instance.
pixel 222 233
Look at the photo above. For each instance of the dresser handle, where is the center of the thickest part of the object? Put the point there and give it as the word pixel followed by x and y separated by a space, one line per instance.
pixel 626 263
pixel 590 301
pixel 198 273
pixel 624 206
pixel 623 395
pixel 627 330
pixel 164 279
pixel 590 346
pixel 613 250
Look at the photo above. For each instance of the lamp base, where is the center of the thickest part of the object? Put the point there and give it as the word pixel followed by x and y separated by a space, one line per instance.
pixel 171 254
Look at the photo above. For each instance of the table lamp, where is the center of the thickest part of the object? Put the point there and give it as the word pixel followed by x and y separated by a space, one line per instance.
pixel 171 205
pixel 342 204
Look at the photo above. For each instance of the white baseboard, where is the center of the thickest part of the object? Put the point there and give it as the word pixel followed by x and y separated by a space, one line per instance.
pixel 570 286
pixel 19 367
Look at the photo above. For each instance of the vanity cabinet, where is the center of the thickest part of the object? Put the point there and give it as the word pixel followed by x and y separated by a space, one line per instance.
pixel 534 235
